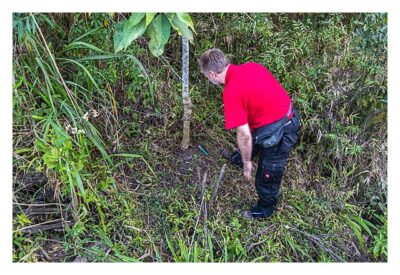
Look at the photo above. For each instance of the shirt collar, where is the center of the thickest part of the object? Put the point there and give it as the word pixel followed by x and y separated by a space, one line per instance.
pixel 229 73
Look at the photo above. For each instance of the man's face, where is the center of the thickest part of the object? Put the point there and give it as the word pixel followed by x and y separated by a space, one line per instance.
pixel 212 77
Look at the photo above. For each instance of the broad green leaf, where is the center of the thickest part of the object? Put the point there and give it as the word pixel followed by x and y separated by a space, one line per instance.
pixel 180 27
pixel 118 36
pixel 149 17
pixel 154 47
pixel 133 21
pixel 128 30
pixel 133 28
pixel 133 33
pixel 185 18
pixel 162 28
pixel 153 43
pixel 159 31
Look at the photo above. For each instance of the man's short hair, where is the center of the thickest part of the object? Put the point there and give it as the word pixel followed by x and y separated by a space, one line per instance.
pixel 213 60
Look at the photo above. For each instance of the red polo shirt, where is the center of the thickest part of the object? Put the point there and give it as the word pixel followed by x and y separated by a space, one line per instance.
pixel 252 95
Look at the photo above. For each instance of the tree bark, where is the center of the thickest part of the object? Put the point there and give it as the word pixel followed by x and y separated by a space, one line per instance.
pixel 187 104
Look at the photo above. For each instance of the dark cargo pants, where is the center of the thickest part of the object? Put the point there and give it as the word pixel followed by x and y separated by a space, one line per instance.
pixel 271 166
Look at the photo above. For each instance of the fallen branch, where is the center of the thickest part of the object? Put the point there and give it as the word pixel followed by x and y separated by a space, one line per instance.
pixel 203 191
pixel 221 176
pixel 48 225
pixel 38 209
pixel 318 242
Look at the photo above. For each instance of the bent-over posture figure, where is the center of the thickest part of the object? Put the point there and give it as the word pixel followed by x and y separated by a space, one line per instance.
pixel 254 104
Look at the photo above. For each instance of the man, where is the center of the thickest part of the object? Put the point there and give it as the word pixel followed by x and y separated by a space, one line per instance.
pixel 254 100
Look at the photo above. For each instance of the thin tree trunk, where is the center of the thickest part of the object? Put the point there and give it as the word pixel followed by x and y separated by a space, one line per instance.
pixel 187 104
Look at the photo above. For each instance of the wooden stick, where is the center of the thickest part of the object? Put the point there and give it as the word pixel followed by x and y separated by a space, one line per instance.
pixel 203 189
pixel 221 176
pixel 53 224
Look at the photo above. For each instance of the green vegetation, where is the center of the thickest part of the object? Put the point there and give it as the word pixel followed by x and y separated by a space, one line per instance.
pixel 157 27
pixel 97 167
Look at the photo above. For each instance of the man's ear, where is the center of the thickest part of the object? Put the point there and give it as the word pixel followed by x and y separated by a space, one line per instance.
pixel 211 73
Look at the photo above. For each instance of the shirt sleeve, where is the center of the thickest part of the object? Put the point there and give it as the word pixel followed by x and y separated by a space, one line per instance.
pixel 235 110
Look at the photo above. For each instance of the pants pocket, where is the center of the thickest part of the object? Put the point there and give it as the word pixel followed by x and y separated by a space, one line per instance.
pixel 268 186
pixel 288 141
pixel 274 165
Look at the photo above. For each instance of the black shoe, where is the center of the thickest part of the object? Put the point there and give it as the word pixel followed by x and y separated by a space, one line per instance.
pixel 226 153
pixel 248 215
pixel 234 157
pixel 258 213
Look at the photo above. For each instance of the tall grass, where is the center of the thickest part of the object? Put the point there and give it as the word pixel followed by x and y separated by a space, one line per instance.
pixel 103 128
pixel 66 144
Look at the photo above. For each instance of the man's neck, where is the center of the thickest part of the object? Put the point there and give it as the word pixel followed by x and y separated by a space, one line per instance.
pixel 223 74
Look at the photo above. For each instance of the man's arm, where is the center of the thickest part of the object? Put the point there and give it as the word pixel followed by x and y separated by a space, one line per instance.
pixel 245 144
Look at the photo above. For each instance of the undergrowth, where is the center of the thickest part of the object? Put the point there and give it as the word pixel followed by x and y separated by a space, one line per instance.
pixel 98 174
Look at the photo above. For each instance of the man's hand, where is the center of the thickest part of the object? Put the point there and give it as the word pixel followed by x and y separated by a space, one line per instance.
pixel 247 169
pixel 244 141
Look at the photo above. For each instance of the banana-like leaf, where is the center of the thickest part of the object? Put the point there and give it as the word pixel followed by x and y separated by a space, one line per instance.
pixel 159 31
pixel 133 21
pixel 185 17
pixel 118 36
pixel 149 17
pixel 128 30
pixel 180 26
